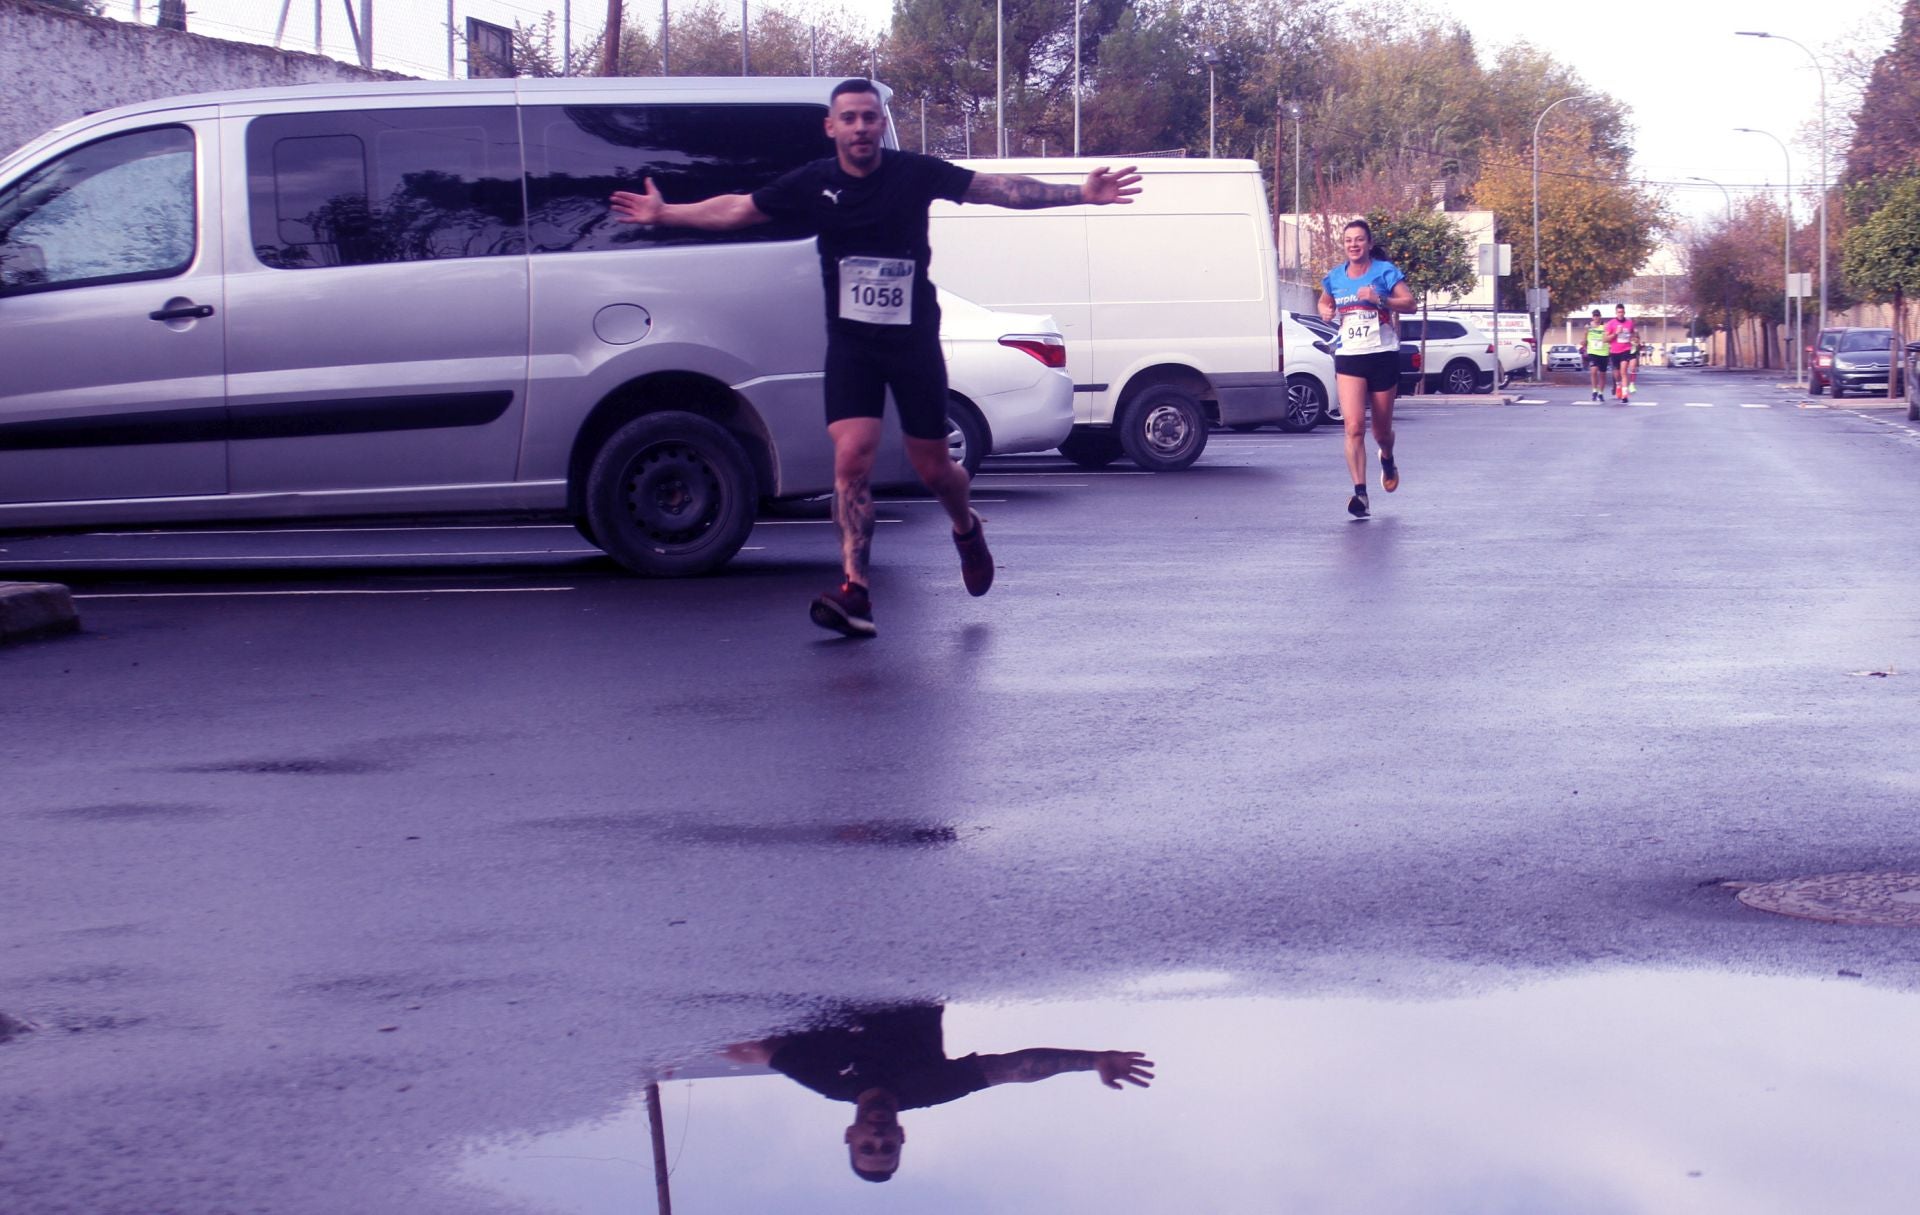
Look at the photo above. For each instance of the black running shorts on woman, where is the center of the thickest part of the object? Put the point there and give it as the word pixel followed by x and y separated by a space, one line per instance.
pixel 860 370
pixel 1381 369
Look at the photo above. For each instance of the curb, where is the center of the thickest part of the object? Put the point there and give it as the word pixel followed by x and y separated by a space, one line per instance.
pixel 35 609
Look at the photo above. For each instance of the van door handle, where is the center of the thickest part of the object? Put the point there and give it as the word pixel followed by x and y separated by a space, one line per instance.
pixel 190 312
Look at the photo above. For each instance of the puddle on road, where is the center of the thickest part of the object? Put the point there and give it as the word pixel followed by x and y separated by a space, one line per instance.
pixel 1654 1092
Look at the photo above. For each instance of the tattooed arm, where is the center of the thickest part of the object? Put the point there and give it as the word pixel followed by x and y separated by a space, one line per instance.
pixel 1039 1062
pixel 1102 186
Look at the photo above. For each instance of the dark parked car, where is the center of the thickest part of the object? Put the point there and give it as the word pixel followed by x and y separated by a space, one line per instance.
pixel 1862 361
pixel 1820 357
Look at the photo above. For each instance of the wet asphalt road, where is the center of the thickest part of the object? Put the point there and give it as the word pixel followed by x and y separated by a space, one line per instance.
pixel 326 851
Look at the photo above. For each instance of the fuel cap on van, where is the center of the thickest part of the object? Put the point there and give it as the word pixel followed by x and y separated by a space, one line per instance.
pixel 621 324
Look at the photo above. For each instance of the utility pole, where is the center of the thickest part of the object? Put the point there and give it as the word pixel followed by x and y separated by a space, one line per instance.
pixel 666 66
pixel 610 59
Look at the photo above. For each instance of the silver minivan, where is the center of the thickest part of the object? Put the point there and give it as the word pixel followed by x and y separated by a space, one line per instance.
pixel 343 299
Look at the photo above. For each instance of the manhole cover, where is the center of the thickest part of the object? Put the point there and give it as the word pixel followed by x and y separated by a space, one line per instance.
pixel 1842 898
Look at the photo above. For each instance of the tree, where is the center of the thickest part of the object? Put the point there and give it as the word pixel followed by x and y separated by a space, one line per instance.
pixel 1886 127
pixel 1881 256
pixel 1735 266
pixel 1597 227
pixel 1431 251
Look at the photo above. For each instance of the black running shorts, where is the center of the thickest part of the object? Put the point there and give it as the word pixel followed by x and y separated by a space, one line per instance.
pixel 1599 361
pixel 1381 369
pixel 859 372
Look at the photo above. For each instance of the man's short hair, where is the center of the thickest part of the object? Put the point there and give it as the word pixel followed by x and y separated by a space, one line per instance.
pixel 858 84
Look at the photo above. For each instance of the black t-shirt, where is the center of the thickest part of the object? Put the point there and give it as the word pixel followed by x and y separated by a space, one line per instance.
pixel 902 1050
pixel 882 215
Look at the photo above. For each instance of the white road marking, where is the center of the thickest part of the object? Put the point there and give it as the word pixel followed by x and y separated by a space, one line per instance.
pixel 1528 401
pixel 445 590
pixel 1754 405
pixel 813 522
pixel 1644 404
pixel 1699 404
pixel 351 531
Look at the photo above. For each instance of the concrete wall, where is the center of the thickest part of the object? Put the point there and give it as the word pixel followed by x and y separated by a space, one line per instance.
pixel 56 66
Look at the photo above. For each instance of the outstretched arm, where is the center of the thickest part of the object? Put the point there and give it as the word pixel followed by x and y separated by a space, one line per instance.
pixel 1039 1062
pixel 721 213
pixel 1101 187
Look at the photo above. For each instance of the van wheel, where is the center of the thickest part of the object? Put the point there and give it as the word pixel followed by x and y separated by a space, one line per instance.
pixel 966 435
pixel 1162 429
pixel 1460 378
pixel 671 495
pixel 1090 448
pixel 1306 404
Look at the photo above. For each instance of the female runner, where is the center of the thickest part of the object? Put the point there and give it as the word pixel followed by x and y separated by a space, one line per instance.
pixel 1361 299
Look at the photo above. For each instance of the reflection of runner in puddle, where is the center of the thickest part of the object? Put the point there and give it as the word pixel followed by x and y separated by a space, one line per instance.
pixel 889 1059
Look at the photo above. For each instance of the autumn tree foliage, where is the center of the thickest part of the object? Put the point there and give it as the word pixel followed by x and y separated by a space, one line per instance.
pixel 1736 271
pixel 1597 225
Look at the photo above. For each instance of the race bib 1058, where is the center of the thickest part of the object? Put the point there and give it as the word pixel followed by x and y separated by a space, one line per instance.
pixel 878 290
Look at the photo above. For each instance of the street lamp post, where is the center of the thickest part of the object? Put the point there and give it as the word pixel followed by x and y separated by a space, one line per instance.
pixel 1076 77
pixel 1212 60
pixel 1786 292
pixel 1823 157
pixel 1533 304
pixel 1726 306
pixel 1000 77
pixel 1293 110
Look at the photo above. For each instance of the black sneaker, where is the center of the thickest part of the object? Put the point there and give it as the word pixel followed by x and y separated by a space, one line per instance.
pixel 976 563
pixel 1357 506
pixel 846 611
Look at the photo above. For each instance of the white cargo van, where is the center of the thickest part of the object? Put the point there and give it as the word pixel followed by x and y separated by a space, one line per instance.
pixel 1169 306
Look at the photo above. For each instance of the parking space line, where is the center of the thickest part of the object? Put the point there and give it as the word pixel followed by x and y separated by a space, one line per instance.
pixel 443 590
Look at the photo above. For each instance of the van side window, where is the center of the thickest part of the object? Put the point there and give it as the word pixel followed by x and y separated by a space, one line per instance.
pixel 579 155
pixel 365 187
pixel 116 210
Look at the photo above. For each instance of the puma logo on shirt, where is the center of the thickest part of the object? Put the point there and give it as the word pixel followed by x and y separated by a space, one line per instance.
pixel 833 196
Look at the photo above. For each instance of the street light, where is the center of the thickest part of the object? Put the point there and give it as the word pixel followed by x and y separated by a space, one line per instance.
pixel 1293 111
pixel 1786 294
pixel 1212 59
pixel 1823 157
pixel 1533 304
pixel 1726 305
pixel 1076 77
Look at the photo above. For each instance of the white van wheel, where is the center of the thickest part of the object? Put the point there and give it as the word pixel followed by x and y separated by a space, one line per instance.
pixel 1163 429
pixel 966 435
pixel 670 495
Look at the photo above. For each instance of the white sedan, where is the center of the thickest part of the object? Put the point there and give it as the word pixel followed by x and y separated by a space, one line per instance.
pixel 1007 379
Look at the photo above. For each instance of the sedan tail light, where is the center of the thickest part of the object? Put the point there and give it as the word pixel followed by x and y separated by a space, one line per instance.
pixel 1049 348
pixel 1415 360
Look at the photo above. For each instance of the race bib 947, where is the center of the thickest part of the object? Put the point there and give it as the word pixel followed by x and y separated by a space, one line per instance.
pixel 878 290
pixel 1360 331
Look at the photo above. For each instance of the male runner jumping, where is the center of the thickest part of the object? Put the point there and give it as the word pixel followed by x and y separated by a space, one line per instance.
pixel 868 205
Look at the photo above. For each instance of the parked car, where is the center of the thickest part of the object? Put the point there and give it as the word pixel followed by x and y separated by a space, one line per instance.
pixel 1170 306
pixel 1460 351
pixel 1686 356
pixel 1324 334
pixel 1009 390
pixel 1820 358
pixel 1862 361
pixel 350 299
pixel 1564 358
pixel 1911 377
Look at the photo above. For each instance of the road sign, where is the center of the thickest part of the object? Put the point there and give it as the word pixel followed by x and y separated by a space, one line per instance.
pixel 1800 286
pixel 1537 299
pixel 1492 268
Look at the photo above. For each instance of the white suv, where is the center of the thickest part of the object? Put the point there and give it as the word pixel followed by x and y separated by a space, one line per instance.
pixel 1459 356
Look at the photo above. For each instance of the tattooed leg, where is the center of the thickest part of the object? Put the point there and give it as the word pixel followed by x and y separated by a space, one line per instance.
pixel 853 511
pixel 855 441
